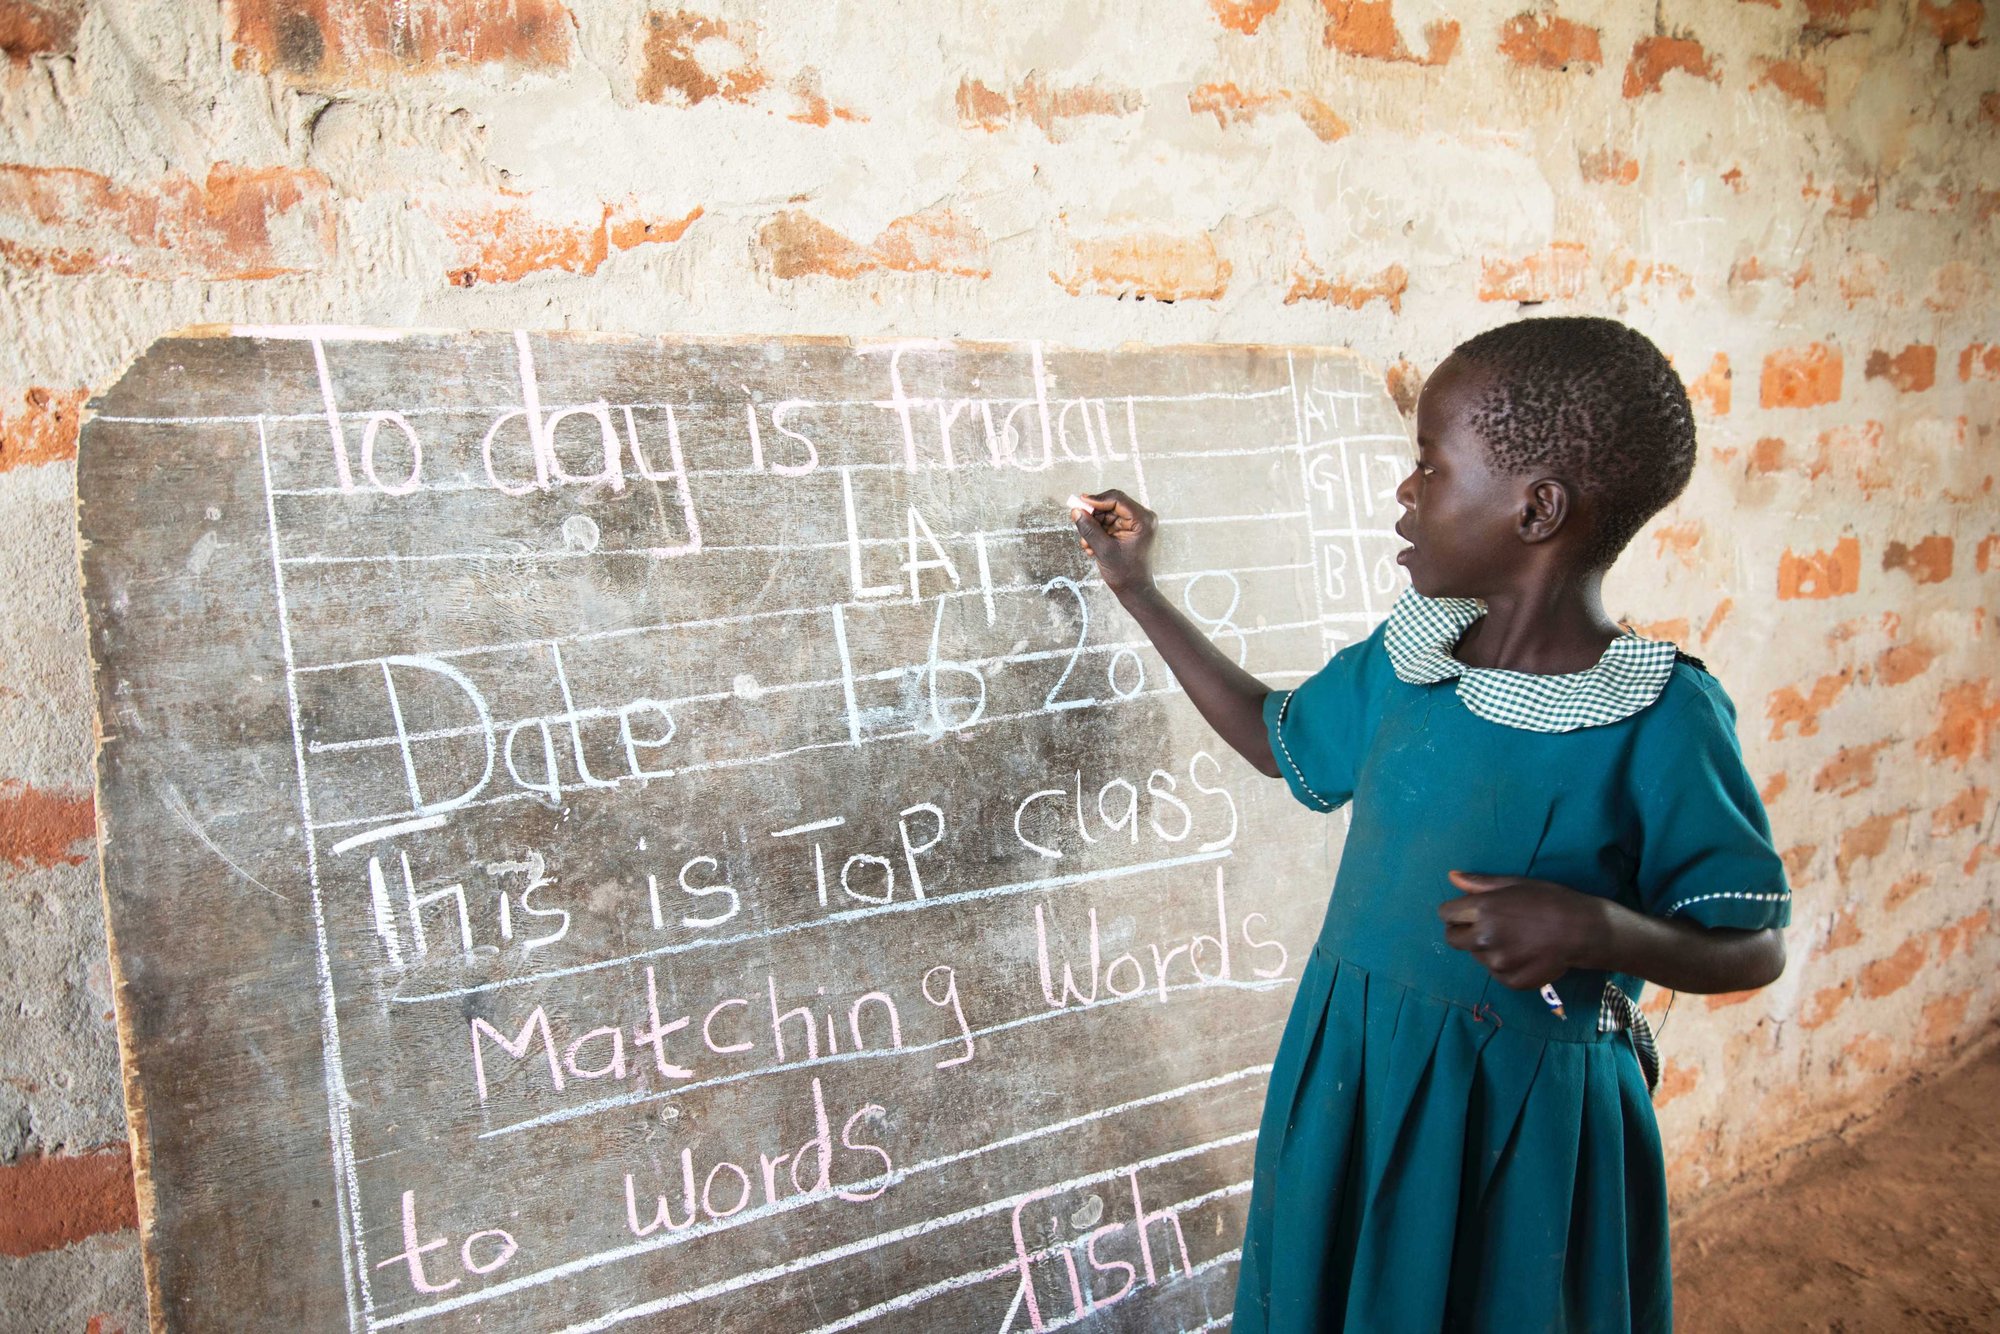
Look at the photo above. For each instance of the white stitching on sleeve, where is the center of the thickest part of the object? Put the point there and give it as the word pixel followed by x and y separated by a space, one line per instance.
pixel 1286 752
pixel 1726 894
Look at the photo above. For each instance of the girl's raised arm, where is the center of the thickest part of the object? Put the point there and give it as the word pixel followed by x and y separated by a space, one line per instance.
pixel 1118 532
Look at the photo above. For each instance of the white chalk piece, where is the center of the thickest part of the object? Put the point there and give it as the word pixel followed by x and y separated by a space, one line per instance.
pixel 1079 503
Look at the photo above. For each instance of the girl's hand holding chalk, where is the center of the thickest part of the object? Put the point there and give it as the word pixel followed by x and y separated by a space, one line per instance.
pixel 1117 531
pixel 1526 932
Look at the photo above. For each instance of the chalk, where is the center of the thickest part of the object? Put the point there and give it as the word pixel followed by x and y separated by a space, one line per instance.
pixel 1079 503
pixel 1553 1000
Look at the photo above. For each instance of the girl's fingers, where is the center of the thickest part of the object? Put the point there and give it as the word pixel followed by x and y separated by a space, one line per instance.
pixel 1089 532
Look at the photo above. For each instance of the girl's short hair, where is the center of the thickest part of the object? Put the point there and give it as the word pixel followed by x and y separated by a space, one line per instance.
pixel 1591 401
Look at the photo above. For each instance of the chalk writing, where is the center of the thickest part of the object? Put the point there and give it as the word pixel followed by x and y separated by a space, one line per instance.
pixel 728 815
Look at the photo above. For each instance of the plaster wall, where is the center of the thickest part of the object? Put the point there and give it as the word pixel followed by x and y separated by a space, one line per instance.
pixel 1796 198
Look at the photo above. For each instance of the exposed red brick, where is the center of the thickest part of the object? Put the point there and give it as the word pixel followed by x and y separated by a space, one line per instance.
pixel 1824 1004
pixel 40 828
pixel 1980 361
pixel 1789 707
pixel 1674 629
pixel 1367 28
pixel 1959 935
pixel 1387 287
pixel 1968 711
pixel 1722 1000
pixel 937 241
pixel 982 108
pixel 49 1202
pixel 1747 270
pixel 1558 273
pixel 43 429
pixel 241 222
pixel 1954 22
pixel 1774 787
pixel 1801 377
pixel 29 29
pixel 689 58
pixel 1796 79
pixel 1717 617
pixel 340 39
pixel 1906 889
pixel 1798 860
pixel 1050 108
pixel 1821 574
pixel 1892 974
pixel 1675 1079
pixel 1767 455
pixel 1710 389
pixel 1550 42
pixel 504 240
pixel 1608 166
pixel 1655 277
pixel 1988 550
pixel 1903 662
pixel 1148 265
pixel 1867 840
pixel 1928 562
pixel 1682 539
pixel 1854 202
pixel 1842 933
pixel 1989 107
pixel 1854 450
pixel 1231 105
pixel 1943 1019
pixel 1406 385
pixel 1653 58
pixel 1244 16
pixel 1911 371
pixel 1851 769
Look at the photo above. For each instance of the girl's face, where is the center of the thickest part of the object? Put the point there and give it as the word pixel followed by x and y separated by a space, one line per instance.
pixel 1461 518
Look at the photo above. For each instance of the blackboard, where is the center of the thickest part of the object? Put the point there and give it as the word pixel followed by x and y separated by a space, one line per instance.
pixel 668 833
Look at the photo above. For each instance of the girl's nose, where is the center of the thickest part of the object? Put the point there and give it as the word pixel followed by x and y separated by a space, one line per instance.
pixel 1406 490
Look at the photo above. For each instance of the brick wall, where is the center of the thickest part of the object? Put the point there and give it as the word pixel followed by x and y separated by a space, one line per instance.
pixel 1797 198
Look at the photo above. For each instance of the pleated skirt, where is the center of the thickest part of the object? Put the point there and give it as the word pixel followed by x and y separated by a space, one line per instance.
pixel 1420 1167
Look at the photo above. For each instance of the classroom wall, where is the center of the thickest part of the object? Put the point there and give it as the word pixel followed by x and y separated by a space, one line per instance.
pixel 1796 198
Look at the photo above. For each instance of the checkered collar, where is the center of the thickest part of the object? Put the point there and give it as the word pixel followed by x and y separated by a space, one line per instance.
pixel 1421 633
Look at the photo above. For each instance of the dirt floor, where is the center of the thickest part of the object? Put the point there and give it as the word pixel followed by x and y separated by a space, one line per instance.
pixel 1893 1226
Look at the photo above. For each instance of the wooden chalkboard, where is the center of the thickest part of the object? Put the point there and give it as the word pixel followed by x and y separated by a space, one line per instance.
pixel 668 833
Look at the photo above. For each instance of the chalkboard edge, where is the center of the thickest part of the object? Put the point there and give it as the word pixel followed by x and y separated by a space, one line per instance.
pixel 137 1117
pixel 396 333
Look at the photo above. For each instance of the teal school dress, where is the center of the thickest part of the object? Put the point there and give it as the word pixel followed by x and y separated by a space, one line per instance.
pixel 1439 1151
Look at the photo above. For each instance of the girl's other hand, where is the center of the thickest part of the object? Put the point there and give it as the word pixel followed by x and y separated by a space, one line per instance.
pixel 1525 932
pixel 1118 532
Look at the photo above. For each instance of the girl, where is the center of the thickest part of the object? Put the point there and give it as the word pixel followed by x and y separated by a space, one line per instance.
pixel 1548 812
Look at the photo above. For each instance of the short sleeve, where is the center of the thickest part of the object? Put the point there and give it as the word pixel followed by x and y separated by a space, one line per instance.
pixel 1705 841
pixel 1317 730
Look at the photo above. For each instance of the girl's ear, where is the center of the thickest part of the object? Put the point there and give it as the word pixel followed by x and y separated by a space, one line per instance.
pixel 1546 507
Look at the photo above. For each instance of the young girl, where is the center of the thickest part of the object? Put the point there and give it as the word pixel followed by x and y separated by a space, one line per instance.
pixel 1548 812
